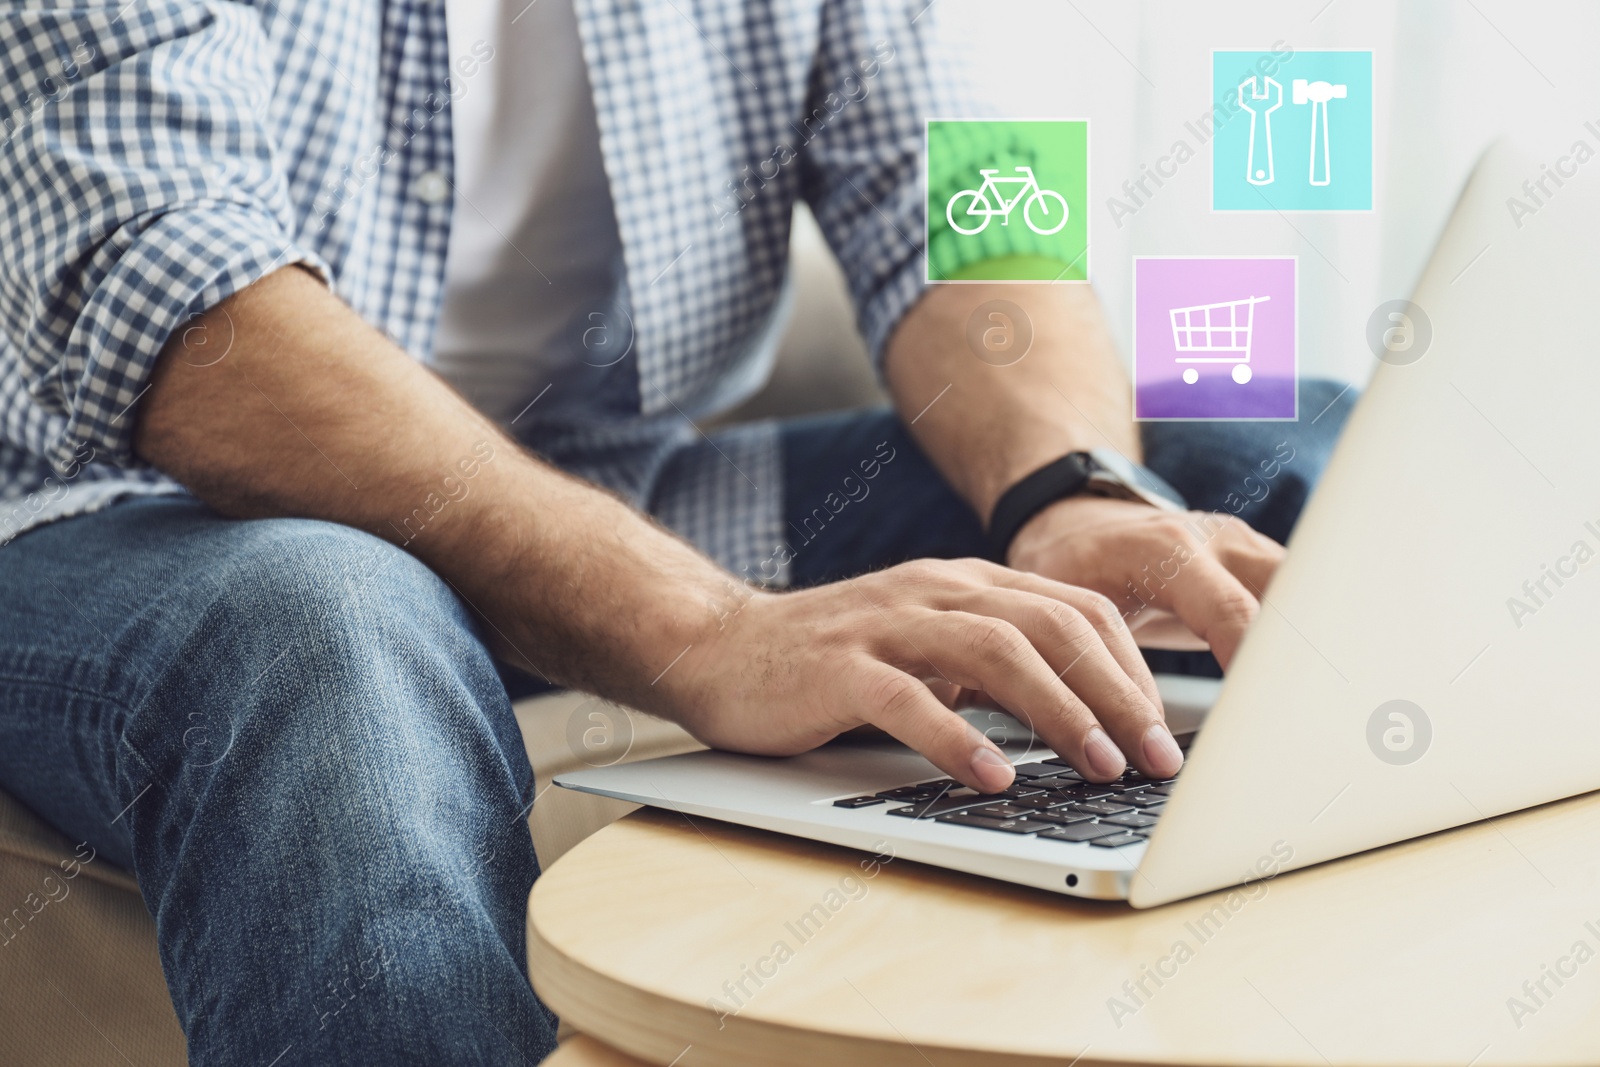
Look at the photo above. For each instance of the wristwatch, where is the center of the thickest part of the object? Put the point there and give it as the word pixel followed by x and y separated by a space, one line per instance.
pixel 1102 472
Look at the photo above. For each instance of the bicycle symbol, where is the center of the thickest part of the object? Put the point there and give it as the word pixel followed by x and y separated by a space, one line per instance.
pixel 980 206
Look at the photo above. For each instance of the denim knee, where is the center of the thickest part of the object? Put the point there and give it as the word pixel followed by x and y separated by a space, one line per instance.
pixel 300 613
pixel 325 680
pixel 327 761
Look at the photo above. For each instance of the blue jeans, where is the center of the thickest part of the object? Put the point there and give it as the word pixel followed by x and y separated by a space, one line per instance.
pixel 294 736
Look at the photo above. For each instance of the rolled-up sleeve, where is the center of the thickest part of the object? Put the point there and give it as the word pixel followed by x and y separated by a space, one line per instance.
pixel 138 187
pixel 882 70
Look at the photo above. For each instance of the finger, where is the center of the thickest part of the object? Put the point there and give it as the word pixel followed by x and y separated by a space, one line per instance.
pixel 1213 603
pixel 1251 556
pixel 1138 729
pixel 984 652
pixel 945 692
pixel 955 697
pixel 1075 649
pixel 1155 628
pixel 1102 612
pixel 906 709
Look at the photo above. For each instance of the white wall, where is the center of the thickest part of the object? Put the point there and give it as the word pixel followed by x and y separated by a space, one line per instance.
pixel 1451 75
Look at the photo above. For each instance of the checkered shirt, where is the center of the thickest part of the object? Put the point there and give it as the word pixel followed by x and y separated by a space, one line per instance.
pixel 158 155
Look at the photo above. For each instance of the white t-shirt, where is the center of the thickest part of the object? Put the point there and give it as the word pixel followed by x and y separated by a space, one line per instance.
pixel 534 247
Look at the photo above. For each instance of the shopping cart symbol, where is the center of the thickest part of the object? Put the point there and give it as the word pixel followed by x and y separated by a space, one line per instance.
pixel 1222 327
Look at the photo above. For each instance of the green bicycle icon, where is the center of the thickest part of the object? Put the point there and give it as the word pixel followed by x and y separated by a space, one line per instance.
pixel 1046 204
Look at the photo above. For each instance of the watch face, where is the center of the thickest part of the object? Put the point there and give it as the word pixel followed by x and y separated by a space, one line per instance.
pixel 1140 481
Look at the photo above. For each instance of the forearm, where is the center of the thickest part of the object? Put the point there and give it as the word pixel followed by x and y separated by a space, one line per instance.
pixel 996 424
pixel 283 402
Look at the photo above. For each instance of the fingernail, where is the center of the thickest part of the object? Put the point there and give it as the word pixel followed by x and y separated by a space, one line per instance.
pixel 991 770
pixel 1161 752
pixel 1105 759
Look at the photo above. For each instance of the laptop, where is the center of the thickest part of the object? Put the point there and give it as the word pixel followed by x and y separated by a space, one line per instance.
pixel 1423 658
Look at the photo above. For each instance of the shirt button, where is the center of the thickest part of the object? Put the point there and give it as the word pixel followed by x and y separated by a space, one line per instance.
pixel 431 187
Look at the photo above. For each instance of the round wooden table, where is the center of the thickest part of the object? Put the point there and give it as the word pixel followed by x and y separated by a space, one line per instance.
pixel 698 942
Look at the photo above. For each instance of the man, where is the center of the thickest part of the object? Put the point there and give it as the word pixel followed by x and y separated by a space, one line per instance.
pixel 234 237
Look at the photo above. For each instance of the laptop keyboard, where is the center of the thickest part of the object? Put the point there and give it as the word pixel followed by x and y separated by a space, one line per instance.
pixel 1048 800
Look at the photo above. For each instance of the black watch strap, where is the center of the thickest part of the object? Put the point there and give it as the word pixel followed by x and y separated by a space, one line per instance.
pixel 1067 476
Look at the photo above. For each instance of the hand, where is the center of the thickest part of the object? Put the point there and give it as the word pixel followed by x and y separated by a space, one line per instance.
pixel 1182 579
pixel 792 670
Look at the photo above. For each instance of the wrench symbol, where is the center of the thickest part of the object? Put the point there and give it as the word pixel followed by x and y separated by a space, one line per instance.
pixel 1260 123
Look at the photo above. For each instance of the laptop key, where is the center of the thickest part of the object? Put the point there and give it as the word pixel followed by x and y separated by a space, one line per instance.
pixel 1142 800
pixel 859 802
pixel 1061 816
pixel 1041 802
pixel 1161 789
pixel 1016 791
pixel 1101 807
pixel 1010 826
pixel 1038 770
pixel 906 792
pixel 1084 831
pixel 920 791
pixel 936 806
pixel 1130 819
pixel 1003 811
pixel 1116 841
pixel 1071 788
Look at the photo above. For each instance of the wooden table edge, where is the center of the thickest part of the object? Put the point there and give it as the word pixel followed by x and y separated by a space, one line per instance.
pixel 661 1030
pixel 659 1027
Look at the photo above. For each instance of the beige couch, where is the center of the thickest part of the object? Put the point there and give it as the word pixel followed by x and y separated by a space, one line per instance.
pixel 80 982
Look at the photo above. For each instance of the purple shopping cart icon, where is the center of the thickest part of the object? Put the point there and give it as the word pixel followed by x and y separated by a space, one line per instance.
pixel 1212 328
pixel 1214 338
